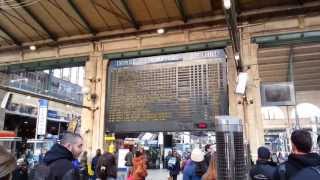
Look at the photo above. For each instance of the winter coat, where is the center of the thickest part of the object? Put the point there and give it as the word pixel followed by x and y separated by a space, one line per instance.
pixel 94 163
pixel 312 173
pixel 21 173
pixel 189 172
pixel 128 158
pixel 295 163
pixel 263 170
pixel 175 169
pixel 59 159
pixel 139 170
pixel 106 166
pixel 207 158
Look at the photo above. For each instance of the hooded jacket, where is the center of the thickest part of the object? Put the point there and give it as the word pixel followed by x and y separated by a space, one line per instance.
pixel 59 159
pixel 263 170
pixel 295 163
pixel 106 166
pixel 139 171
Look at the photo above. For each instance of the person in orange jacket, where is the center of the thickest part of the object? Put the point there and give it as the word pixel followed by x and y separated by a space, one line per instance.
pixel 139 170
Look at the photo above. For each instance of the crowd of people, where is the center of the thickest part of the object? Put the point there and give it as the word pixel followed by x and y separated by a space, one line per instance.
pixel 195 166
pixel 301 164
pixel 63 162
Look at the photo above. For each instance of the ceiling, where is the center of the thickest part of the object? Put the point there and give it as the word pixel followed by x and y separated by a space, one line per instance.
pixel 60 21
pixel 274 65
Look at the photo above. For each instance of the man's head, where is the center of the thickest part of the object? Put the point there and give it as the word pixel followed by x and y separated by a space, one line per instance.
pixel 301 142
pixel 263 153
pixel 73 142
pixel 98 152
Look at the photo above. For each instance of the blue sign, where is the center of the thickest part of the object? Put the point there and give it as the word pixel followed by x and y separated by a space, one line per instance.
pixel 43 103
pixel 52 114
pixel 42 117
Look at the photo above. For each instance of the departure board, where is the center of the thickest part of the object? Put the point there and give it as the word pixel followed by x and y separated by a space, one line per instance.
pixel 179 92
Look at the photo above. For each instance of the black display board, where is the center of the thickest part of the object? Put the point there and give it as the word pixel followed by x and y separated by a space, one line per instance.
pixel 179 92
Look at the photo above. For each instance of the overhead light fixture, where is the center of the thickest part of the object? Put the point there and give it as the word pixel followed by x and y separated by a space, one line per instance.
pixel 160 31
pixel 33 47
pixel 237 56
pixel 28 97
pixel 227 4
pixel 242 83
pixel 68 106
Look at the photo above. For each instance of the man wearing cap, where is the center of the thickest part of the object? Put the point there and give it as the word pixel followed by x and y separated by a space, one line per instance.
pixel 264 169
pixel 7 164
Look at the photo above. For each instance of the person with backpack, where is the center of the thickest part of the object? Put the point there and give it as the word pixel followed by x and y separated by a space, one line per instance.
pixel 166 159
pixel 58 160
pixel 211 173
pixel 264 168
pixel 107 167
pixel 195 169
pixel 302 164
pixel 174 165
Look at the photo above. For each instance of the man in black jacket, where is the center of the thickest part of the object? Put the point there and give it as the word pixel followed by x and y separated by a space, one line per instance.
pixel 107 167
pixel 264 169
pixel 300 158
pixel 59 158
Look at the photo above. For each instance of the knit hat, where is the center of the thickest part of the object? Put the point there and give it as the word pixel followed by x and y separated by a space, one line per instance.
pixel 7 162
pixel 197 155
pixel 263 153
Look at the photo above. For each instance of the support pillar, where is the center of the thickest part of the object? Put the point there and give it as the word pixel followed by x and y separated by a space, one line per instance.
pixel 2 111
pixel 92 122
pixel 252 101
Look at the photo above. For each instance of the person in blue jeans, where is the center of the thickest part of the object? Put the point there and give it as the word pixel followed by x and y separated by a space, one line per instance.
pixel 194 170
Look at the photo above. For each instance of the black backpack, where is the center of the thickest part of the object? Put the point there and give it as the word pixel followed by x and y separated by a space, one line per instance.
pixel 39 172
pixel 201 168
pixel 42 172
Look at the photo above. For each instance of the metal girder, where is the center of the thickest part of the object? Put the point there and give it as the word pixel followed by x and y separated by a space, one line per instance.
pixel 128 10
pixel 300 2
pixel 81 16
pixel 231 20
pixel 11 36
pixel 37 95
pixel 181 10
pixel 39 22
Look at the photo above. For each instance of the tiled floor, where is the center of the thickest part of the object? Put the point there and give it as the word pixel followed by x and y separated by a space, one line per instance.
pixel 160 174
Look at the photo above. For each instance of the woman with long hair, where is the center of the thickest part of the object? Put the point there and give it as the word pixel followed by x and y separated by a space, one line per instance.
pixel 211 173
